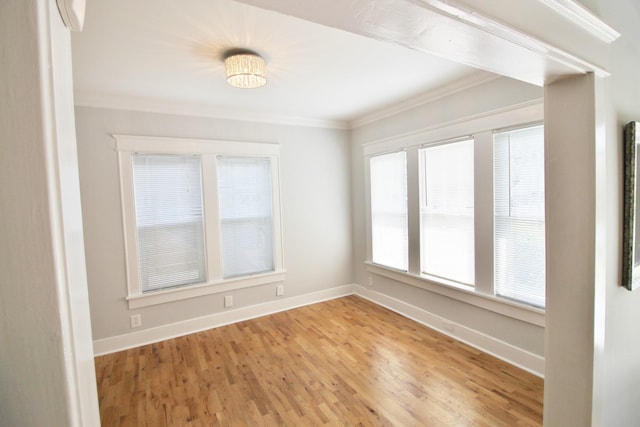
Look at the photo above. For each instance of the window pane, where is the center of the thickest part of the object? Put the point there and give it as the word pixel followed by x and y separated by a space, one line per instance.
pixel 168 204
pixel 519 243
pixel 388 175
pixel 244 188
pixel 446 211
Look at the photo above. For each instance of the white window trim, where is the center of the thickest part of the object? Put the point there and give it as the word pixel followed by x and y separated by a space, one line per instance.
pixel 464 293
pixel 126 145
pixel 479 127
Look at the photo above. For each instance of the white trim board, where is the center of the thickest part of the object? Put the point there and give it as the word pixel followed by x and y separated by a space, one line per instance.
pixel 130 103
pixel 502 306
pixel 476 79
pixel 509 353
pixel 173 330
pixel 526 112
pixel 584 18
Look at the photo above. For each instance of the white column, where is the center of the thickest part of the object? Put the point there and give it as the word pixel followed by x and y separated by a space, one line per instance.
pixel 570 175
pixel 46 356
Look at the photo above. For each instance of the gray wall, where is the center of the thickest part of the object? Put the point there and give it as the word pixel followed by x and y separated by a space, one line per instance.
pixel 316 214
pixel 494 94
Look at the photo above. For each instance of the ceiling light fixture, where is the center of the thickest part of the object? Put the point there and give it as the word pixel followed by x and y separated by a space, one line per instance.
pixel 245 70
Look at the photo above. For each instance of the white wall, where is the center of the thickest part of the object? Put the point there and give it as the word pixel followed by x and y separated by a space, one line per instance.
pixel 621 375
pixel 316 215
pixel 491 95
pixel 47 376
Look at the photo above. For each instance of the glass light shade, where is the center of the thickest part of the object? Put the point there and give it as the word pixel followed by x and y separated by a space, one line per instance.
pixel 245 70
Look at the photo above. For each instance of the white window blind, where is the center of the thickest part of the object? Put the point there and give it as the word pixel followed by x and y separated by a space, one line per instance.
pixel 519 242
pixel 246 215
pixel 447 211
pixel 389 229
pixel 169 220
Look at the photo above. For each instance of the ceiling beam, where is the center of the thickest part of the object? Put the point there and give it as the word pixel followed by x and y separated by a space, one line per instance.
pixel 473 32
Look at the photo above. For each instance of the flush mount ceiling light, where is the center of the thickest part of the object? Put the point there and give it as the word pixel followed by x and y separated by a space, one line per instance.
pixel 245 70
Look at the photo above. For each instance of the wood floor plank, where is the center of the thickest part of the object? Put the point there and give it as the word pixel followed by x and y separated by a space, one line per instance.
pixel 344 362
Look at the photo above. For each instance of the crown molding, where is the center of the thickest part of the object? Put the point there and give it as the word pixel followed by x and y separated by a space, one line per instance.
pixel 475 79
pixel 129 103
pixel 571 10
pixel 116 102
pixel 525 112
pixel 584 18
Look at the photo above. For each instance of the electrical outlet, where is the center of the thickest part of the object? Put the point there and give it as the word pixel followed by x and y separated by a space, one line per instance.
pixel 136 320
pixel 370 282
pixel 228 301
pixel 279 290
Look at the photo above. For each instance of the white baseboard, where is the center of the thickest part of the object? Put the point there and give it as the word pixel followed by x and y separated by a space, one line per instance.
pixel 161 333
pixel 500 349
pixel 528 361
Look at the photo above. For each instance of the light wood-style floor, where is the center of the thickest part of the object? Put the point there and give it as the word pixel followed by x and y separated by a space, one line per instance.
pixel 345 362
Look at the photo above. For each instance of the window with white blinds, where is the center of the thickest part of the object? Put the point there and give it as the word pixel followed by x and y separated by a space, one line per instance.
pixel 244 189
pixel 519 225
pixel 169 220
pixel 459 210
pixel 447 211
pixel 200 217
pixel 389 230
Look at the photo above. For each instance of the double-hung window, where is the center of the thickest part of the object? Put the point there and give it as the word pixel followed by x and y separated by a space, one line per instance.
pixel 246 215
pixel 169 220
pixel 519 243
pixel 446 211
pixel 389 232
pixel 463 215
pixel 200 217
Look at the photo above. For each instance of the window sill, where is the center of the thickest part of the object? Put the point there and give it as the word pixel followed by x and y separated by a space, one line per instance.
pixel 463 293
pixel 224 285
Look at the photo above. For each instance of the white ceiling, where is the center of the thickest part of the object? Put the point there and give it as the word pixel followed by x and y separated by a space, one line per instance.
pixel 163 52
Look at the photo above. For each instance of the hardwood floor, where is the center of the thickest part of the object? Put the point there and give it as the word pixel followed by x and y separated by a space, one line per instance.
pixel 345 362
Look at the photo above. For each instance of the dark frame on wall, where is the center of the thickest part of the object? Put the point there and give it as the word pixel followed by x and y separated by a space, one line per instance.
pixel 631 228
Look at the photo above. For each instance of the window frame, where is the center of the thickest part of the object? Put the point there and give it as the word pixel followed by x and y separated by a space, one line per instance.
pixel 422 187
pixel 154 224
pixel 370 211
pixel 510 215
pixel 245 219
pixel 209 150
pixel 480 128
